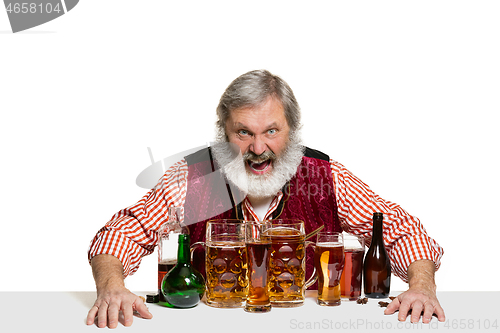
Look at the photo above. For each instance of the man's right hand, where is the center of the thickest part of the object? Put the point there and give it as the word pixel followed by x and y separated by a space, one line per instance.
pixel 112 296
pixel 110 303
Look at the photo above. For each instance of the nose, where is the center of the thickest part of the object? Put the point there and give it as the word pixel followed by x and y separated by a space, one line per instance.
pixel 258 146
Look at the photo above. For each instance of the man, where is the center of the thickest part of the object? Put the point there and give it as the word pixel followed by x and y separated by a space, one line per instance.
pixel 277 177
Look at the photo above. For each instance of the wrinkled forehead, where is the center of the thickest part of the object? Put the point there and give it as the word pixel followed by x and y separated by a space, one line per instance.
pixel 270 110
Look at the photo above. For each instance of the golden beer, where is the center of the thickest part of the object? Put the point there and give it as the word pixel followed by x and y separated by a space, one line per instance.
pixel 329 262
pixel 226 274
pixel 287 267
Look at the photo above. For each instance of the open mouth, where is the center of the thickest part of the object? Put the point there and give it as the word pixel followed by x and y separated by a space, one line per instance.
pixel 259 168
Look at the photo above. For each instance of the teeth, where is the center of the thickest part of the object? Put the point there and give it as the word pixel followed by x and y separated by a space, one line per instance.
pixel 256 165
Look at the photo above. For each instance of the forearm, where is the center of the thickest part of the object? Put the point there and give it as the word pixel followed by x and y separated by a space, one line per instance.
pixel 421 274
pixel 107 271
pixel 112 296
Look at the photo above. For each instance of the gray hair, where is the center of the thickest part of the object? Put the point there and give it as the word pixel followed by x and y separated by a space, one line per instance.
pixel 252 89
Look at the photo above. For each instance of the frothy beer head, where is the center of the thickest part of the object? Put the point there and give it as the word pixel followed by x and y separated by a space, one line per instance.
pixel 283 232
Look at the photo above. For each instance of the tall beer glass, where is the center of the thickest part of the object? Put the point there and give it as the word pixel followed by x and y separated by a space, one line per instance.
pixel 329 263
pixel 225 263
pixel 258 244
pixel 287 286
pixel 350 282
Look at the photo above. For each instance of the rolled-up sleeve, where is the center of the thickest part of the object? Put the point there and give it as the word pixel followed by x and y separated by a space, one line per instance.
pixel 132 233
pixel 405 238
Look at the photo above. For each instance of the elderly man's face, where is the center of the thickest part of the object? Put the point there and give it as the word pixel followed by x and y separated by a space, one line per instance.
pixel 261 131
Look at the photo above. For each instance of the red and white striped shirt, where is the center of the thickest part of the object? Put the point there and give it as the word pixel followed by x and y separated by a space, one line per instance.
pixel 133 232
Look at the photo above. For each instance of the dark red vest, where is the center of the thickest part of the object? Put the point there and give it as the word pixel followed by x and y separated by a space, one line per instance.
pixel 308 196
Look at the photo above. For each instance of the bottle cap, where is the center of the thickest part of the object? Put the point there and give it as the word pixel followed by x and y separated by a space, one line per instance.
pixel 152 298
pixel 378 216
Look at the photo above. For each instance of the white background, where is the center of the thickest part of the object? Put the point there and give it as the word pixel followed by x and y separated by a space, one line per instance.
pixel 405 94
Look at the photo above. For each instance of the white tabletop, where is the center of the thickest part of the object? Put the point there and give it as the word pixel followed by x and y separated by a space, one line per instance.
pixel 67 311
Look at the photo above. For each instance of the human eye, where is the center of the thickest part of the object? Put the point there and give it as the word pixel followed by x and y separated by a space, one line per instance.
pixel 243 132
pixel 272 131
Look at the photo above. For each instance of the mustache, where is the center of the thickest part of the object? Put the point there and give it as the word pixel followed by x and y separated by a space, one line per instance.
pixel 268 154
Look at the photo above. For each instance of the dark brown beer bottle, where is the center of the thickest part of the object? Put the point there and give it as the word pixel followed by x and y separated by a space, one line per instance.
pixel 377 266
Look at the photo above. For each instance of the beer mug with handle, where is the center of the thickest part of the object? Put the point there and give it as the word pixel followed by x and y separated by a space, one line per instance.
pixel 225 263
pixel 287 285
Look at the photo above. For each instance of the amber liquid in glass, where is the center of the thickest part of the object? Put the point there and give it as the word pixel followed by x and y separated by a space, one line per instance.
pixel 350 282
pixel 258 269
pixel 287 267
pixel 329 263
pixel 226 274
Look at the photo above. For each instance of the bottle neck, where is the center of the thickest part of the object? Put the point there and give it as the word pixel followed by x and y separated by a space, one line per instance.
pixel 183 253
pixel 377 230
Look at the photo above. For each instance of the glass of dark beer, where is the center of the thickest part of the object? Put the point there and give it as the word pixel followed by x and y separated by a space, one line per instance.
pixel 258 246
pixel 350 282
pixel 225 263
pixel 329 263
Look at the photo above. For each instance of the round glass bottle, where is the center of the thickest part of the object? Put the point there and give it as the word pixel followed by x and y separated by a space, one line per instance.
pixel 183 286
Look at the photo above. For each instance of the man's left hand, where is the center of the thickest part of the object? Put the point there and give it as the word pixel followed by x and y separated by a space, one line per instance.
pixel 420 299
pixel 416 300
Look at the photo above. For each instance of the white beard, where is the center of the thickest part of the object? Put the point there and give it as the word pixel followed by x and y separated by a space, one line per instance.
pixel 284 167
